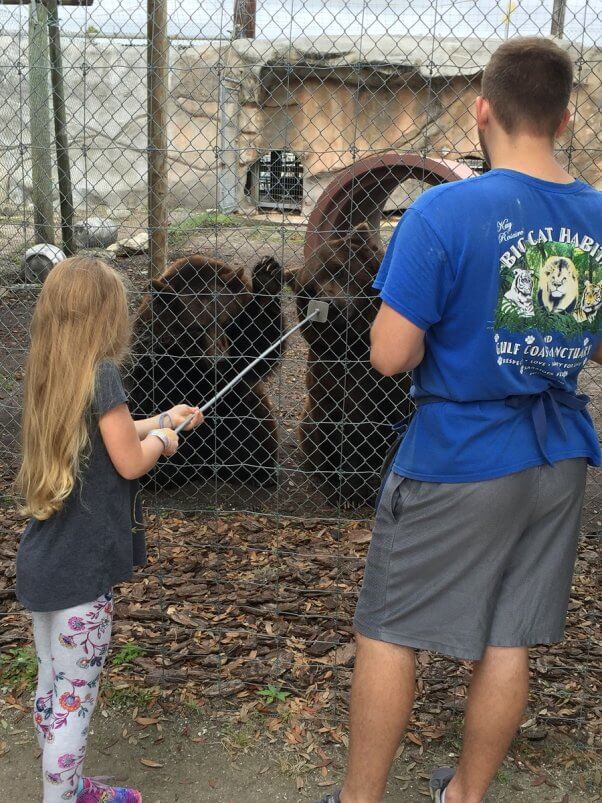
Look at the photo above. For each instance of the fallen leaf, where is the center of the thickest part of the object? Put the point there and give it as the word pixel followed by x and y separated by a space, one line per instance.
pixel 359 536
pixel 148 762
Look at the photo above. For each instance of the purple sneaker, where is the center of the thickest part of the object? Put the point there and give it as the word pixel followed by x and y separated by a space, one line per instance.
pixel 93 791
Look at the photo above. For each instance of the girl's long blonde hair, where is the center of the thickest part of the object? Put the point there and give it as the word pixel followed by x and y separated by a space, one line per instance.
pixel 81 319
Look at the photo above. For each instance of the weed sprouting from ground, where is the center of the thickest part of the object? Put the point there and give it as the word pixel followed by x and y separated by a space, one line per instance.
pixel 19 668
pixel 272 694
pixel 124 696
pixel 126 654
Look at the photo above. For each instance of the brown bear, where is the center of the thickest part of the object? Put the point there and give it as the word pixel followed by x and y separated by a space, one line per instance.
pixel 204 322
pixel 346 428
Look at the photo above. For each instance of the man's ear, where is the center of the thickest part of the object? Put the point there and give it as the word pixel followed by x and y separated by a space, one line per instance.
pixel 482 112
pixel 566 118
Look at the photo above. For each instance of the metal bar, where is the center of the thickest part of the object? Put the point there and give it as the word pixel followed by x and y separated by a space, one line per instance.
pixel 227 144
pixel 558 15
pixel 61 2
pixel 60 128
pixel 245 13
pixel 158 66
pixel 39 125
pixel 246 370
pixel 119 37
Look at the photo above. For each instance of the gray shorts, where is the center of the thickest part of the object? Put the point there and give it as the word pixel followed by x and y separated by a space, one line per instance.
pixel 454 568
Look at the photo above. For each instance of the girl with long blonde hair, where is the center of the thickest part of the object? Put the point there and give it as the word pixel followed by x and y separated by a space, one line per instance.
pixel 82 456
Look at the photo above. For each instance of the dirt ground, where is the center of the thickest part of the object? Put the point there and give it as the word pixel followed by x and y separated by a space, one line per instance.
pixel 177 759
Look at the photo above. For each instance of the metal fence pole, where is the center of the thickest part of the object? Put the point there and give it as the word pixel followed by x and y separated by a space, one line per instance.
pixel 158 66
pixel 39 124
pixel 245 12
pixel 60 128
pixel 558 14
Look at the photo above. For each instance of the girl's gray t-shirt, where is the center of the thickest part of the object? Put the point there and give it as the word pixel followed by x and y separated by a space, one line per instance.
pixel 96 539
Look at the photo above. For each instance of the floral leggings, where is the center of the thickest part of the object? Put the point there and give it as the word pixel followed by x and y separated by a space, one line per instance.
pixel 71 646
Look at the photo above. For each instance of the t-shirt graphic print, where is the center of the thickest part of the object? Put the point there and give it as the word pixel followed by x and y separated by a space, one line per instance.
pixel 550 285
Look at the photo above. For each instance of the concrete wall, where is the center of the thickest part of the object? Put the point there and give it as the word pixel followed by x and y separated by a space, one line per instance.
pixel 325 120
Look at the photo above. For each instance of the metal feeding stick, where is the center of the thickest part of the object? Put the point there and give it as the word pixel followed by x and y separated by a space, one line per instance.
pixel 316 310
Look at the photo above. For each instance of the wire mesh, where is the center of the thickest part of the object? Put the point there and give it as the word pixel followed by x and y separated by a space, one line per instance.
pixel 290 157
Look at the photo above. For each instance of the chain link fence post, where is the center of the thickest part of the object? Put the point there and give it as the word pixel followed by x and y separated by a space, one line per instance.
pixel 39 116
pixel 158 81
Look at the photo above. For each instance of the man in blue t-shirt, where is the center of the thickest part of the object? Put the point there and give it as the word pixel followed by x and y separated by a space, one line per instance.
pixel 492 294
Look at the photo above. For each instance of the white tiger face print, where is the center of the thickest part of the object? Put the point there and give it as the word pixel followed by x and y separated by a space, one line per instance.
pixel 520 294
pixel 523 282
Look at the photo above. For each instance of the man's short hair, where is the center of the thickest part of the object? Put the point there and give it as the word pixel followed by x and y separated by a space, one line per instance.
pixel 528 83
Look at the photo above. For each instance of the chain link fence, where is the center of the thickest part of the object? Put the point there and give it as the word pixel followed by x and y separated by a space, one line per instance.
pixel 233 167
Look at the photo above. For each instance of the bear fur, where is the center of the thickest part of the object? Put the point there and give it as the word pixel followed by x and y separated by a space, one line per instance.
pixel 204 322
pixel 346 428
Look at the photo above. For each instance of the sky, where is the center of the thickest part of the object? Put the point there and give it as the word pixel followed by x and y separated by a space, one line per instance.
pixel 208 19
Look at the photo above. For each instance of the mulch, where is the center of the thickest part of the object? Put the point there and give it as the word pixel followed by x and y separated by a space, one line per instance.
pixel 230 605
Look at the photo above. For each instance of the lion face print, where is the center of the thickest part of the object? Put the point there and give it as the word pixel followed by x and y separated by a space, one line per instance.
pixel 551 285
pixel 558 285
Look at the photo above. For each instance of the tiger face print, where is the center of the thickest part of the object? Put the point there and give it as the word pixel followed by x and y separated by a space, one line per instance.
pixel 520 295
pixel 591 302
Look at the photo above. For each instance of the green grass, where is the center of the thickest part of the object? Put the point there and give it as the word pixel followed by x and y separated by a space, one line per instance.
pixel 276 234
pixel 240 736
pixel 126 697
pixel 7 383
pixel 180 232
pixel 19 668
pixel 126 654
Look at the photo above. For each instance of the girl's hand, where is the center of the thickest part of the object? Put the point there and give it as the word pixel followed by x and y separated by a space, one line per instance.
pixel 180 413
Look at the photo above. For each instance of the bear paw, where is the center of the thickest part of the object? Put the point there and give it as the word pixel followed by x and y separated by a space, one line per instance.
pixel 268 277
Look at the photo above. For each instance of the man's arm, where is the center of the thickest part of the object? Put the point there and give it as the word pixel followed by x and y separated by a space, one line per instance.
pixel 414 281
pixel 396 344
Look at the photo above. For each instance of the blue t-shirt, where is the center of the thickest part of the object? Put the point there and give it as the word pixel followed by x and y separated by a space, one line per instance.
pixel 504 274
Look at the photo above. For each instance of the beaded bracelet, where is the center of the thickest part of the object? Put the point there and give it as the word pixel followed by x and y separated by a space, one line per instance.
pixel 162 417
